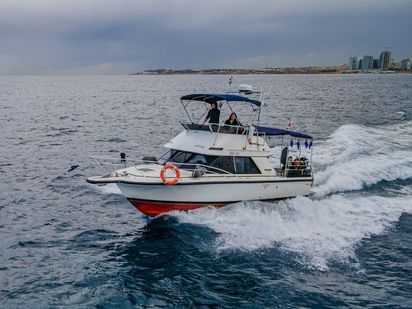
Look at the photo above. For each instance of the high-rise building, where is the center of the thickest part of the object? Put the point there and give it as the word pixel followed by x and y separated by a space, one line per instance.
pixel 375 64
pixel 384 60
pixel 367 63
pixel 406 64
pixel 354 63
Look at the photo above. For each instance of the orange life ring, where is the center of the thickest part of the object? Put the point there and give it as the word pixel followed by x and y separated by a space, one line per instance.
pixel 170 182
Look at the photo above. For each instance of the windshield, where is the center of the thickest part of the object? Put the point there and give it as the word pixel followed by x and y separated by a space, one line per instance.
pixel 219 164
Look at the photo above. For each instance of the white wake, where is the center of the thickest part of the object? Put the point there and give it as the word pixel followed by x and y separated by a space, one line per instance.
pixel 318 230
pixel 357 156
pixel 329 226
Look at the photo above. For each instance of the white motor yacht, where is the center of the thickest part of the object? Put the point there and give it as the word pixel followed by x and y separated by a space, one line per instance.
pixel 215 164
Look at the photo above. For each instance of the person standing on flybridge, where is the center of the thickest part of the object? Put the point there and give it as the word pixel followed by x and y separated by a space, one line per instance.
pixel 213 114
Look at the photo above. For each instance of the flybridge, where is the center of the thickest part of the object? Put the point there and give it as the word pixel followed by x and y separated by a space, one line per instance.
pixel 230 97
pixel 226 100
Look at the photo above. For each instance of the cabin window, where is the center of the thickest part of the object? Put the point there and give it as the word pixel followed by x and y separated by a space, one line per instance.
pixel 180 157
pixel 234 165
pixel 245 165
pixel 176 156
pixel 200 159
pixel 165 157
pixel 224 163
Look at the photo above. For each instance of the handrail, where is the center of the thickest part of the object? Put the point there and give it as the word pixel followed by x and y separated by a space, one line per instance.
pixel 115 162
pixel 289 170
pixel 128 163
pixel 217 128
pixel 199 165
pixel 292 170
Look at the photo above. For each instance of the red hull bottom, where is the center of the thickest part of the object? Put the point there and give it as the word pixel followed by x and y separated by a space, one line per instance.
pixel 153 209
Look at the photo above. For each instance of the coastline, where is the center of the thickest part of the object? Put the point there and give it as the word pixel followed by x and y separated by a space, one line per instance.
pixel 343 69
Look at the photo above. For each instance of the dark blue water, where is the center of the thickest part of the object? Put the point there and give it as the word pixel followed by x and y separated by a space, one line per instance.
pixel 65 243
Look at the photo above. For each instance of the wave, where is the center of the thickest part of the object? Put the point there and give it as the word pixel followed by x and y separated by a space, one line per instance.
pixel 328 227
pixel 402 115
pixel 357 156
pixel 110 188
pixel 320 232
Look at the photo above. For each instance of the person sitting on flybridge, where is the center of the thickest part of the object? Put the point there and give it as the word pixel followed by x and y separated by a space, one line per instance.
pixel 213 114
pixel 232 120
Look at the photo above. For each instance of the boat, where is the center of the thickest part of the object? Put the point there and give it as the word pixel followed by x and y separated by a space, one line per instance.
pixel 215 164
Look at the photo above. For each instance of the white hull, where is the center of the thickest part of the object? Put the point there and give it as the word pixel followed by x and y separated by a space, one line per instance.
pixel 218 192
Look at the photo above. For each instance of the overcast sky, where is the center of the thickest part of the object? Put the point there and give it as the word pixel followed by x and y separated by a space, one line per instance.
pixel 125 36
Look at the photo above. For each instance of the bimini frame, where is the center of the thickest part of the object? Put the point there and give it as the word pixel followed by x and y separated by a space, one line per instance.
pixel 220 99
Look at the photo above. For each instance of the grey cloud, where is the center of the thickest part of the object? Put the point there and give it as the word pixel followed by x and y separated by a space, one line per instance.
pixel 123 36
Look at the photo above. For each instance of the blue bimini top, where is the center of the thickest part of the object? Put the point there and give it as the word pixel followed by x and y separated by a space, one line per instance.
pixel 276 131
pixel 215 97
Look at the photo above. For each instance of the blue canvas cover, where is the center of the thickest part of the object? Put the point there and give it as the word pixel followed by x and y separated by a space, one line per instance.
pixel 275 131
pixel 215 97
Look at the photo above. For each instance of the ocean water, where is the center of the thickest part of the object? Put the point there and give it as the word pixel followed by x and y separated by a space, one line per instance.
pixel 66 243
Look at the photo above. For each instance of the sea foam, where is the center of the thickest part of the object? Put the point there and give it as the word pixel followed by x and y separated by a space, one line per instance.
pixel 357 156
pixel 329 226
pixel 320 231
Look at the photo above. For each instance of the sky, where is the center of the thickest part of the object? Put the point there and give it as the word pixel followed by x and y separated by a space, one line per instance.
pixel 127 36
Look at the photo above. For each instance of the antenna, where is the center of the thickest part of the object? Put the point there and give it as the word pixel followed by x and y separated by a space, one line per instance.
pixel 290 125
pixel 230 83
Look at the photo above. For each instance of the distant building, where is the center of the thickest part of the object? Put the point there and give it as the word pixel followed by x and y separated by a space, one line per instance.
pixel 354 63
pixel 384 60
pixel 406 64
pixel 375 64
pixel 367 63
pixel 394 65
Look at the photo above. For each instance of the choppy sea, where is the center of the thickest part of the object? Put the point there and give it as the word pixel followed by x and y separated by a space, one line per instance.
pixel 66 243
